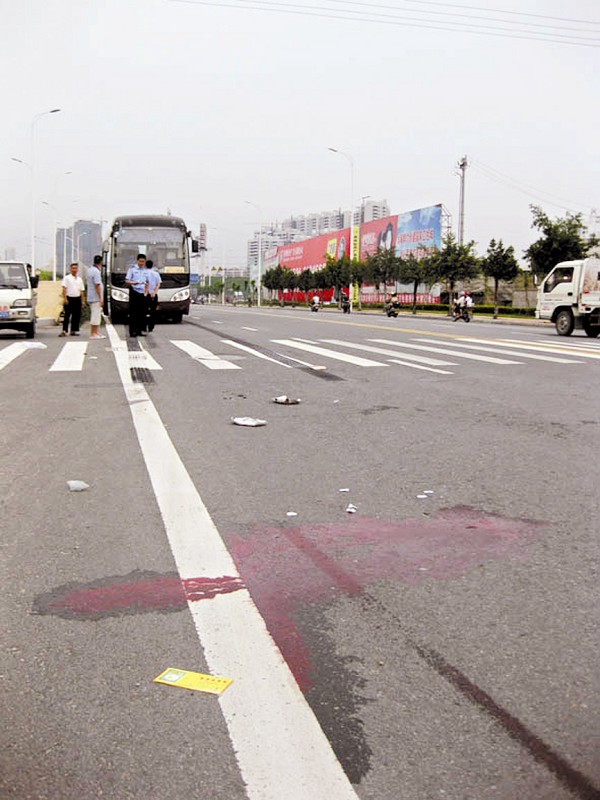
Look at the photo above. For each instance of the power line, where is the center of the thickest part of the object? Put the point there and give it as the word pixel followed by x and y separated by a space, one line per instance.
pixel 405 21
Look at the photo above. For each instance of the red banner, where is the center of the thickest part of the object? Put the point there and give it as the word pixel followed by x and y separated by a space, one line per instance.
pixel 380 233
pixel 312 253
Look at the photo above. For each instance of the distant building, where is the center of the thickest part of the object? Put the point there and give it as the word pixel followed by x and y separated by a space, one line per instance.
pixel 81 242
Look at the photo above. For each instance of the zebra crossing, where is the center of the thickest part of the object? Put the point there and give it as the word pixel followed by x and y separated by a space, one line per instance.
pixel 424 353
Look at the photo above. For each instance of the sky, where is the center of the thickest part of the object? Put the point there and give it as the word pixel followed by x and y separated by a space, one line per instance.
pixel 203 109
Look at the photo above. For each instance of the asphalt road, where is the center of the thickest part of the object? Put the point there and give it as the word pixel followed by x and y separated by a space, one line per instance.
pixel 441 641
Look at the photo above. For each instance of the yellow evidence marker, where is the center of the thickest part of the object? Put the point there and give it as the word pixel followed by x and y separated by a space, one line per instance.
pixel 193 680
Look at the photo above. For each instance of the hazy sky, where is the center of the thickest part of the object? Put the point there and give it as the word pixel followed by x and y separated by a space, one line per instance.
pixel 197 108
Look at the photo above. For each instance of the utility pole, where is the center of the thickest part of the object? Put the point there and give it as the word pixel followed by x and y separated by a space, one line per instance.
pixel 462 165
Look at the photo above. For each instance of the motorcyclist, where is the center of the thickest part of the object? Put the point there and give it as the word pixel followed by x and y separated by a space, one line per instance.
pixel 459 304
pixel 315 302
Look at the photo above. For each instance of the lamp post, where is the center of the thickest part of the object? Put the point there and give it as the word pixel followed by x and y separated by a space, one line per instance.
pixel 259 276
pixel 33 186
pixel 85 233
pixel 350 161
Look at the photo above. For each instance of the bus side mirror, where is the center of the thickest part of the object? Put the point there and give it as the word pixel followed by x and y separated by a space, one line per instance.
pixel 195 248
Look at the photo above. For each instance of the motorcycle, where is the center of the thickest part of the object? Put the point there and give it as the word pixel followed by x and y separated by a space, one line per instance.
pixel 345 305
pixel 314 306
pixel 392 308
pixel 461 312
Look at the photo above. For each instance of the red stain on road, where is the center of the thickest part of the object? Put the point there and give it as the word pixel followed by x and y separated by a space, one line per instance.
pixel 288 567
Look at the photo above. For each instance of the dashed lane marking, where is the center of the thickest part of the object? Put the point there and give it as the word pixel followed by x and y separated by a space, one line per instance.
pixel 203 356
pixel 454 353
pixel 70 358
pixel 488 349
pixel 322 351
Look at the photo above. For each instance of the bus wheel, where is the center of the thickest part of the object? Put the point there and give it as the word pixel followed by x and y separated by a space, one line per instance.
pixel 564 323
pixel 591 330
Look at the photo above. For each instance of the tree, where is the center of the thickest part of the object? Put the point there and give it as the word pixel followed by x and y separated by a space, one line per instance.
pixel 500 264
pixel 415 271
pixel 563 240
pixel 454 262
pixel 382 267
pixel 306 281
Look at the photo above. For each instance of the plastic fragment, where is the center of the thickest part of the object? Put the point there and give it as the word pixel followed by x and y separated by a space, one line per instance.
pixel 428 491
pixel 248 422
pixel 284 400
pixel 351 508
pixel 423 496
pixel 292 514
pixel 343 490
pixel 77 486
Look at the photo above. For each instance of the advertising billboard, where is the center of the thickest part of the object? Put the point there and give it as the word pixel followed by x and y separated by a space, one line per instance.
pixel 419 232
pixel 312 253
pixel 380 234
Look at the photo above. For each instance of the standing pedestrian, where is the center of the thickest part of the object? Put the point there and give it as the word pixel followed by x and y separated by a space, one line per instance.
pixel 137 280
pixel 73 300
pixel 94 298
pixel 153 287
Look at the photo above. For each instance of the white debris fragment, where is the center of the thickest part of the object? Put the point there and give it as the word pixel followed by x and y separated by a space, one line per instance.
pixel 351 508
pixel 292 514
pixel 284 400
pixel 423 496
pixel 344 490
pixel 77 486
pixel 248 422
pixel 428 491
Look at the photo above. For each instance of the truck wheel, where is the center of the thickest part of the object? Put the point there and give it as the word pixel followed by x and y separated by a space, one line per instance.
pixel 591 330
pixel 564 323
pixel 30 330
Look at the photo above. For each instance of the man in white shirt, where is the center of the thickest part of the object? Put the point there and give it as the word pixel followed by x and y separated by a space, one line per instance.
pixel 73 300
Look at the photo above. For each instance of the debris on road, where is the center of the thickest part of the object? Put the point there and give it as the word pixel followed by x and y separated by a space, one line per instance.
pixel 343 490
pixel 351 508
pixel 284 400
pixel 248 422
pixel 77 486
pixel 197 681
pixel 292 514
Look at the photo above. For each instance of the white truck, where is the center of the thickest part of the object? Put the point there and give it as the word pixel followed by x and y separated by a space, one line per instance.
pixel 569 296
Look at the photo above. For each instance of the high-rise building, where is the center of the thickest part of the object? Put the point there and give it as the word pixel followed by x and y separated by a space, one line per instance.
pixel 81 242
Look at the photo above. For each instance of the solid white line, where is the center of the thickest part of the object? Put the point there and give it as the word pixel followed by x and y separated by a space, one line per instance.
pixel 456 353
pixel 278 743
pixel 244 328
pixel 11 352
pixel 205 357
pixel 579 350
pixel 408 356
pixel 70 358
pixel 487 349
pixel 254 352
pixel 322 351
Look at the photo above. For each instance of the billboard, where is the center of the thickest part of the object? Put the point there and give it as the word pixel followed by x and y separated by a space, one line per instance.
pixel 312 253
pixel 419 232
pixel 380 234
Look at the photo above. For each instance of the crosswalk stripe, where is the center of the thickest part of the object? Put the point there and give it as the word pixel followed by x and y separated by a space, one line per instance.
pixel 323 351
pixel 141 359
pixel 456 353
pixel 205 357
pixel 11 352
pixel 572 349
pixel 420 366
pixel 256 353
pixel 70 358
pixel 489 349
pixel 436 362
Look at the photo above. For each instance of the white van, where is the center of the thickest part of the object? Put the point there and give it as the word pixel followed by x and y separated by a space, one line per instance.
pixel 17 298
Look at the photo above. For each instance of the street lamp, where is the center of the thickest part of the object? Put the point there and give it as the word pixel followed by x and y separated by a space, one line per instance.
pixel 350 160
pixel 85 233
pixel 33 187
pixel 259 277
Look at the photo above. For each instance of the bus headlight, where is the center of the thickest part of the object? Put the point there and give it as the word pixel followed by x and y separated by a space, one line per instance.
pixel 182 295
pixel 119 295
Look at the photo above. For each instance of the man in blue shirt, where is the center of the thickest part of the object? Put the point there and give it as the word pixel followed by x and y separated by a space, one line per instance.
pixel 137 280
pixel 153 287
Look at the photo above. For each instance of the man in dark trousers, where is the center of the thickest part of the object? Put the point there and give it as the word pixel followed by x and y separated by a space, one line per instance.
pixel 73 299
pixel 153 287
pixel 137 280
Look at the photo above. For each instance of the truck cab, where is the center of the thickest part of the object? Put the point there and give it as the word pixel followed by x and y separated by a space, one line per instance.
pixel 17 298
pixel 569 296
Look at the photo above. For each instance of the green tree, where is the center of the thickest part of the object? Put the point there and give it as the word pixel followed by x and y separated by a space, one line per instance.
pixel 454 262
pixel 289 281
pixel 500 264
pixel 306 281
pixel 382 267
pixel 415 271
pixel 563 239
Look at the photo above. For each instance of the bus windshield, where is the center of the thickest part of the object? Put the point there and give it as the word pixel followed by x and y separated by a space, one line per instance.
pixel 166 247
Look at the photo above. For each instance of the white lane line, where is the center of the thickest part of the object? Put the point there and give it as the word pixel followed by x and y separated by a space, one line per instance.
pixel 276 738
pixel 254 352
pixel 304 363
pixel 419 366
pixel 322 351
pixel 142 359
pixel 488 349
pixel 205 357
pixel 382 350
pixel 11 352
pixel 70 358
pixel 216 321
pixel 244 328
pixel 455 353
